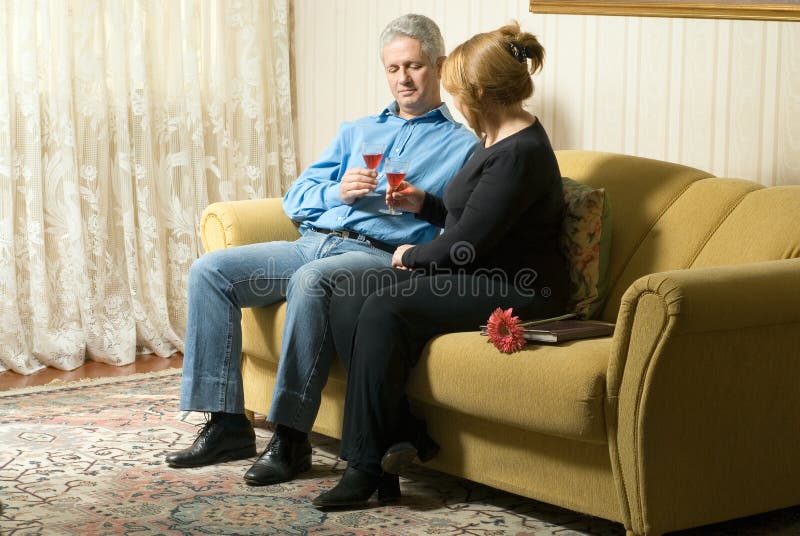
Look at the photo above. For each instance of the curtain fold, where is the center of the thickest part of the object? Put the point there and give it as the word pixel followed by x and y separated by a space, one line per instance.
pixel 120 121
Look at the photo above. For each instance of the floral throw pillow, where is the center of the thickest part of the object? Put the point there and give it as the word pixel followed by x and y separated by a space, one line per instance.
pixel 586 244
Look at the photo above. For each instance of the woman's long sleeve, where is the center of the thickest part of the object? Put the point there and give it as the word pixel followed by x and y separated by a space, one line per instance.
pixel 433 210
pixel 503 192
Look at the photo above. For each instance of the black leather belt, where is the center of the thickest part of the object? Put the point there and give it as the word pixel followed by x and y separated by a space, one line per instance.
pixel 344 233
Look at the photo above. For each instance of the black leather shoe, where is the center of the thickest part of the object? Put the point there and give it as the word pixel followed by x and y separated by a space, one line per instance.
pixel 401 455
pixel 353 491
pixel 220 440
pixel 282 460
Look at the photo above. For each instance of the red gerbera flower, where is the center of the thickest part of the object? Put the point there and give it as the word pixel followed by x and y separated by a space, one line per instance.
pixel 504 331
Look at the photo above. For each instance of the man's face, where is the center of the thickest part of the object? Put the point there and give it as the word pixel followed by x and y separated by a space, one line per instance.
pixel 413 79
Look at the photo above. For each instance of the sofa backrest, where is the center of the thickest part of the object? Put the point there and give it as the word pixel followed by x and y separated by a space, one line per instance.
pixel 671 217
pixel 640 191
pixel 682 231
pixel 763 226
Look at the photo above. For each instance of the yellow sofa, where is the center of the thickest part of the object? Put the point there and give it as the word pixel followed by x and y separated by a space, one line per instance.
pixel 688 415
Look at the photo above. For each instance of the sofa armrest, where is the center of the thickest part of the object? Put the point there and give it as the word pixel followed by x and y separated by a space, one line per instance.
pixel 703 405
pixel 236 223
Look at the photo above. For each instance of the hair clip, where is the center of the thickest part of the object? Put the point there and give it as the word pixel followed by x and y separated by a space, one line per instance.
pixel 520 53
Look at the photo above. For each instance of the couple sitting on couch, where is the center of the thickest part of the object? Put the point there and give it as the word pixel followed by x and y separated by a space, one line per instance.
pixel 375 289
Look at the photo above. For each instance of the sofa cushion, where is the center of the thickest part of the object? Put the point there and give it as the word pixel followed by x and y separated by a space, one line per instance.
pixel 557 390
pixel 586 244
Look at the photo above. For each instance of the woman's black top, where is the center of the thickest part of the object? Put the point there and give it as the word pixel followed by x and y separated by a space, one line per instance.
pixel 503 210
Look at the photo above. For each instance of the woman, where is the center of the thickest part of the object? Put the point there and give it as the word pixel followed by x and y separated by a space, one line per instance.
pixel 501 216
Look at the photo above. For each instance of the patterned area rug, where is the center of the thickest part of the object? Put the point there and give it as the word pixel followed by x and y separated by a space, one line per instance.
pixel 86 458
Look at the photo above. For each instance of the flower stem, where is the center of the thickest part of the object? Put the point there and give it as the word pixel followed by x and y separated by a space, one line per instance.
pixel 546 320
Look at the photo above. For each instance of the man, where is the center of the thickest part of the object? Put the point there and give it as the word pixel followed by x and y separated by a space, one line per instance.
pixel 341 230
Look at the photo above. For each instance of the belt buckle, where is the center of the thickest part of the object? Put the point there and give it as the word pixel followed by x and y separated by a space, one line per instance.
pixel 344 233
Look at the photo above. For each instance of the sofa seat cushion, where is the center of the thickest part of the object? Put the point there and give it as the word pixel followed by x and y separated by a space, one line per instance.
pixel 550 389
pixel 557 390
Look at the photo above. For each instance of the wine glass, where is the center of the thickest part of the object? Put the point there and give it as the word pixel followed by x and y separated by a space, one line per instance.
pixel 395 170
pixel 372 153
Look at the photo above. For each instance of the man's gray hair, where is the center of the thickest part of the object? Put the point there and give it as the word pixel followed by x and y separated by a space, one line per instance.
pixel 418 27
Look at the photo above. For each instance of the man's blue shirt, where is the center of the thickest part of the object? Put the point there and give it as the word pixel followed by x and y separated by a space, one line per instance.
pixel 436 147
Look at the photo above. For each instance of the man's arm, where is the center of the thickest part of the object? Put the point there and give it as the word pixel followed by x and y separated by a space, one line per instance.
pixel 316 190
pixel 323 185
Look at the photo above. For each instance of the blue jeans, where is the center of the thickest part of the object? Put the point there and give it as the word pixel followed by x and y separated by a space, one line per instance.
pixel 257 275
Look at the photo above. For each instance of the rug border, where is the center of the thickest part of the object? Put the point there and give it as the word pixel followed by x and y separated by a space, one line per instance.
pixel 55 385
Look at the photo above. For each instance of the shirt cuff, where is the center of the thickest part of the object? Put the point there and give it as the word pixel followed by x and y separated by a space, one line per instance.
pixel 332 197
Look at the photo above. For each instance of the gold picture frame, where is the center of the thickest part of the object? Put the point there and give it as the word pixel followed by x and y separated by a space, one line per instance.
pixel 720 9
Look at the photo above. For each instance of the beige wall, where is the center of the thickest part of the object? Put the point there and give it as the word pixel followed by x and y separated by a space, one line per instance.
pixel 723 96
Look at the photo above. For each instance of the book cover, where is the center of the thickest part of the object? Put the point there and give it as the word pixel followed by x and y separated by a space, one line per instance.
pixel 565 330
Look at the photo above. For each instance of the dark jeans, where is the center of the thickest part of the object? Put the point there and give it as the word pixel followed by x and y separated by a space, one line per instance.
pixel 381 320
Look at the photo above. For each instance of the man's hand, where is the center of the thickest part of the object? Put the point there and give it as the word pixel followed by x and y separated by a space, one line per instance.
pixel 406 197
pixel 397 257
pixel 355 183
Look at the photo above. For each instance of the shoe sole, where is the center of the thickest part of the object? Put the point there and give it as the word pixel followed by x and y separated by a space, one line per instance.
pixel 227 456
pixel 395 462
pixel 302 467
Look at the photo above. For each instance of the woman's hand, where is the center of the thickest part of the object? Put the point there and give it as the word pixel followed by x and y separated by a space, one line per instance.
pixel 406 197
pixel 397 257
pixel 355 183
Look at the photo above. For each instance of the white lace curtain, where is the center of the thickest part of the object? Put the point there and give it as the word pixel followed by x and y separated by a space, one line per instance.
pixel 120 121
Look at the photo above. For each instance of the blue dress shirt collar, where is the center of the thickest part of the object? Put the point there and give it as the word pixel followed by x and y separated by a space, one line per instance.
pixel 394 109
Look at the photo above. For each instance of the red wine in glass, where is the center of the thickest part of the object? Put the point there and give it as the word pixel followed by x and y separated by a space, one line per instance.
pixel 396 171
pixel 372 153
pixel 373 160
pixel 395 179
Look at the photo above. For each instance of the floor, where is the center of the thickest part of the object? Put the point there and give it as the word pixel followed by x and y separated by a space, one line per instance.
pixel 91 369
pixel 784 523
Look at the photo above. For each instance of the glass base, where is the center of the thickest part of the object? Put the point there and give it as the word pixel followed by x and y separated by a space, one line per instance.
pixel 390 212
pixel 372 194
